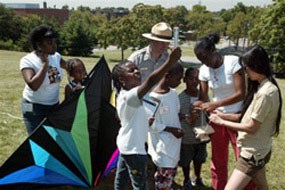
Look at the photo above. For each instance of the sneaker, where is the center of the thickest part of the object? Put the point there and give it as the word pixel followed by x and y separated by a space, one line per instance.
pixel 198 182
pixel 188 186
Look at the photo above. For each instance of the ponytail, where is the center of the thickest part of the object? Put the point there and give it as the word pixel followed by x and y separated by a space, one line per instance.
pixel 207 43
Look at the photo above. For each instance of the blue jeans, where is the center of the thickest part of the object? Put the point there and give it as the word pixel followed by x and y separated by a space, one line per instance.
pixel 34 114
pixel 133 166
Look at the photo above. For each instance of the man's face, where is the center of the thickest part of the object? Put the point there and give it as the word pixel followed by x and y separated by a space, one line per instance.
pixel 159 47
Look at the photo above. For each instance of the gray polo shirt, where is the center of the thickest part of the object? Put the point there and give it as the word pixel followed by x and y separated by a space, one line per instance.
pixel 145 63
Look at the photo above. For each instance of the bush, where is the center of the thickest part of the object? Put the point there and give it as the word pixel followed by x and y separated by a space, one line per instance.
pixel 8 45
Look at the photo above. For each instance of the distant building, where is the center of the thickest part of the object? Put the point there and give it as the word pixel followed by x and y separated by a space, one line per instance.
pixel 190 36
pixel 23 9
pixel 112 13
pixel 22 5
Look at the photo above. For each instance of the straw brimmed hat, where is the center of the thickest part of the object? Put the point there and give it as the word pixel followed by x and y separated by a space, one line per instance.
pixel 160 32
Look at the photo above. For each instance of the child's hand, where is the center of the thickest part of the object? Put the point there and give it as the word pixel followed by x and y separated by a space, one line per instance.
pixel 178 133
pixel 150 121
pixel 197 103
pixel 209 106
pixel 78 87
pixel 175 55
pixel 195 113
pixel 44 57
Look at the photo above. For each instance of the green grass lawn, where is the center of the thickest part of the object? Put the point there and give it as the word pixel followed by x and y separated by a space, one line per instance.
pixel 13 133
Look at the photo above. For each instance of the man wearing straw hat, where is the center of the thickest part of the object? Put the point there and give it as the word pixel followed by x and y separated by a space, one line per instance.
pixel 147 60
pixel 151 57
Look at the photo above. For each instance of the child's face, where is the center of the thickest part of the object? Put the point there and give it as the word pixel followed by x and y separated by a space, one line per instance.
pixel 131 76
pixel 174 80
pixel 78 72
pixel 192 80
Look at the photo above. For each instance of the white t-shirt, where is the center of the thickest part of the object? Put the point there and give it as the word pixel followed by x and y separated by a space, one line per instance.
pixel 134 125
pixel 48 92
pixel 221 81
pixel 163 146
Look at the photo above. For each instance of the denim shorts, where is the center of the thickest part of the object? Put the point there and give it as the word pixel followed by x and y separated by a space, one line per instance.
pixel 132 167
pixel 34 114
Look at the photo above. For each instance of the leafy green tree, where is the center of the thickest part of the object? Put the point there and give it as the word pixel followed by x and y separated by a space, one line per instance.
pixel 143 18
pixel 103 32
pixel 78 34
pixel 122 34
pixel 83 8
pixel 272 34
pixel 230 14
pixel 10 24
pixel 176 17
pixel 203 22
pixel 65 7
pixel 30 21
pixel 237 28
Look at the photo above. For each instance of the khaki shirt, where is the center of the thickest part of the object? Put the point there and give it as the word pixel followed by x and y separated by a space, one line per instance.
pixel 142 59
pixel 263 108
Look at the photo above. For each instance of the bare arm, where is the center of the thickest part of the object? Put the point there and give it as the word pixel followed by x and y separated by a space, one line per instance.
pixel 228 116
pixel 239 85
pixel 35 80
pixel 156 75
pixel 203 91
pixel 67 92
pixel 62 63
pixel 177 132
pixel 250 127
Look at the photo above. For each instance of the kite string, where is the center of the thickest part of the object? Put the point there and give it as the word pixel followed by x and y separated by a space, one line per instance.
pixel 12 116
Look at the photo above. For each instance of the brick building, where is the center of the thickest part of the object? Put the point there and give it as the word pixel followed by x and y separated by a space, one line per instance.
pixel 23 9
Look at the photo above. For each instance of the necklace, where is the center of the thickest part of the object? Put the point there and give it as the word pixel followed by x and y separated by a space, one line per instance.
pixel 215 76
pixel 216 70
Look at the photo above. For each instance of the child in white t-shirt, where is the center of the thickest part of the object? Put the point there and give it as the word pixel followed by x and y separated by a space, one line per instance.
pixel 134 125
pixel 165 134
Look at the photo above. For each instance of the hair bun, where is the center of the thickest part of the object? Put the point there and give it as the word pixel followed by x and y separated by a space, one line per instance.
pixel 215 38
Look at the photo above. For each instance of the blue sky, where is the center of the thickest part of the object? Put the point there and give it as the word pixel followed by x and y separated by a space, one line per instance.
pixel 212 5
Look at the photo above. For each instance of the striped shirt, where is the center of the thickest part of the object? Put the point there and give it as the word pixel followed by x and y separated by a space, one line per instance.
pixel 186 104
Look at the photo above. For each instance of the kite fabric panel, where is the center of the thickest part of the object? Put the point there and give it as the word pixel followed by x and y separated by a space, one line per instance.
pixel 75 145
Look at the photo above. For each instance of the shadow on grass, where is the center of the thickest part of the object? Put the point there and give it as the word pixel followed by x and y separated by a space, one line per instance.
pixel 95 56
pixel 116 60
pixel 180 187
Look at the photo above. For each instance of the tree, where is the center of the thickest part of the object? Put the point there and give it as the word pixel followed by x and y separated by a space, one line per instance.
pixel 10 24
pixel 176 17
pixel 65 7
pixel 272 34
pixel 121 33
pixel 203 22
pixel 78 34
pixel 143 18
pixel 30 21
pixel 237 28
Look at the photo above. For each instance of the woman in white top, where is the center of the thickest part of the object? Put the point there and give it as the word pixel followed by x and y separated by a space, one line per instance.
pixel 225 77
pixel 41 70
pixel 261 116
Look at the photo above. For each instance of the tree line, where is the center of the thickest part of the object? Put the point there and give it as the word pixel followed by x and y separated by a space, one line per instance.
pixel 84 30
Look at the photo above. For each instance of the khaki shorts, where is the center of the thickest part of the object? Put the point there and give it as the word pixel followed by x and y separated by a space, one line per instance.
pixel 250 166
